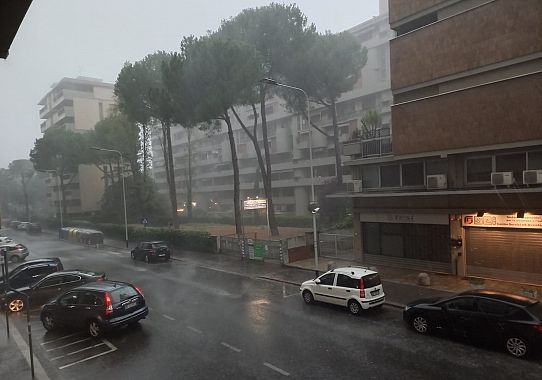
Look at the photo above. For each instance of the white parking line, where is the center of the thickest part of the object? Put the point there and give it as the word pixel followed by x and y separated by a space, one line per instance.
pixel 114 253
pixel 67 345
pixel 78 351
pixel 138 269
pixel 86 359
pixel 168 317
pixel 231 347
pixel 194 329
pixel 63 337
pixel 277 369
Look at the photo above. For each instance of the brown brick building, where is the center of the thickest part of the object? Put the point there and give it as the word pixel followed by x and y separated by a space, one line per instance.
pixel 461 191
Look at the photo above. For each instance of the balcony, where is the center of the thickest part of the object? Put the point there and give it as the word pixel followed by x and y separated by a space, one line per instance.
pixel 373 144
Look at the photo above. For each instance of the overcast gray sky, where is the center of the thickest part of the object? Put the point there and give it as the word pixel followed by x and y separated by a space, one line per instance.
pixel 67 38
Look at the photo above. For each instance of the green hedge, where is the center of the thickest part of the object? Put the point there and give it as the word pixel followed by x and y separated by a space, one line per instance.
pixel 192 240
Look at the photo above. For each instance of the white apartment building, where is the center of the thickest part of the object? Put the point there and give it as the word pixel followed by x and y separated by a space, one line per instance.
pixel 212 173
pixel 77 104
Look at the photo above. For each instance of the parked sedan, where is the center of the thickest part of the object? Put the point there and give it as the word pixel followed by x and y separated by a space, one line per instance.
pixel 22 226
pixel 32 271
pixel 97 307
pixel 34 228
pixel 510 321
pixel 48 288
pixel 151 251
pixel 15 252
pixel 5 239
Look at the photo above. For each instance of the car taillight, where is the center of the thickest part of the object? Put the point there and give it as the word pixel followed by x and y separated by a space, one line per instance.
pixel 139 291
pixel 108 304
pixel 101 278
pixel 152 252
pixel 361 288
pixel 538 328
pixel 19 246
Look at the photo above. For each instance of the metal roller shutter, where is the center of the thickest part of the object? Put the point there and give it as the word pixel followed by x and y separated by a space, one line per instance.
pixel 505 254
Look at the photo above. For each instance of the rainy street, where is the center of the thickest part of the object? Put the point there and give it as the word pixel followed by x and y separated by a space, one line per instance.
pixel 206 323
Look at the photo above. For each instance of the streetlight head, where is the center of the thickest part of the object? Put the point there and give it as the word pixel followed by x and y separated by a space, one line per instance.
pixel 269 81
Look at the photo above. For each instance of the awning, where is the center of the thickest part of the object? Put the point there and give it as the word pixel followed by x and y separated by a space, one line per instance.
pixel 12 13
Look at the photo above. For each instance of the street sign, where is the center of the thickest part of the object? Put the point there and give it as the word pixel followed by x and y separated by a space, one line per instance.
pixel 144 221
pixel 255 204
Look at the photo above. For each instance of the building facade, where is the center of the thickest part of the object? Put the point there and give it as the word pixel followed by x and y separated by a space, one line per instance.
pixel 461 189
pixel 77 104
pixel 212 173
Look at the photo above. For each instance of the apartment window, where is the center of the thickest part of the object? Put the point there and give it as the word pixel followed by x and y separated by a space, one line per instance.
pixel 370 177
pixel 412 174
pixel 390 176
pixel 515 163
pixel 535 160
pixel 479 169
pixel 437 166
pixel 101 110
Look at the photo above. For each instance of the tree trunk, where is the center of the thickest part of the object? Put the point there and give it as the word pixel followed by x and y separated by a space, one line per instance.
pixel 338 161
pixel 26 204
pixel 236 195
pixel 63 195
pixel 172 186
pixel 145 158
pixel 268 173
pixel 189 181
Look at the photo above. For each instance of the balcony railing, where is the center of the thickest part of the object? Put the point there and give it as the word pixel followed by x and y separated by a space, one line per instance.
pixel 371 144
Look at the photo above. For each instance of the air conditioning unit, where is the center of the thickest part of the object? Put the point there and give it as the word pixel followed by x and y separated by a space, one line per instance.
pixel 532 177
pixel 438 181
pixel 357 186
pixel 502 178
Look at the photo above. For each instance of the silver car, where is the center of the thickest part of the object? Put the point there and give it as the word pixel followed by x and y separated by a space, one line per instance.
pixel 15 252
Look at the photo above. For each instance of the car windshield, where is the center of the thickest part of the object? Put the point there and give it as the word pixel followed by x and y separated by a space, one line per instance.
pixel 536 309
pixel 122 294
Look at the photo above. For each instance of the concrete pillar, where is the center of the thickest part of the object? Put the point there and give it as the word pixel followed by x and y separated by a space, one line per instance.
pixel 358 237
pixel 458 253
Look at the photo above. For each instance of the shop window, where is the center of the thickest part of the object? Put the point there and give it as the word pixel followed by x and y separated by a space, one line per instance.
pixel 370 177
pixel 515 163
pixel 535 160
pixel 390 176
pixel 479 170
pixel 413 174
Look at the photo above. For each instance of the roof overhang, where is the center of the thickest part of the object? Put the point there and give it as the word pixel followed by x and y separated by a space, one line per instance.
pixel 12 13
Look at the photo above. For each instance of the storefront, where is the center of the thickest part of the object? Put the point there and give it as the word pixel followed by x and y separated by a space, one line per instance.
pixel 415 241
pixel 504 247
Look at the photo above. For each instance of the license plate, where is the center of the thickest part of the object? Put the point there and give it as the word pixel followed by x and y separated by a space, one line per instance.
pixel 375 292
pixel 130 305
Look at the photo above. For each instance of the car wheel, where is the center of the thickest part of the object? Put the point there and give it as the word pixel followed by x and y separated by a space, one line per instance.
pixel 308 297
pixel 16 305
pixel 48 322
pixel 15 259
pixel 420 324
pixel 516 347
pixel 146 258
pixel 94 329
pixel 132 255
pixel 354 307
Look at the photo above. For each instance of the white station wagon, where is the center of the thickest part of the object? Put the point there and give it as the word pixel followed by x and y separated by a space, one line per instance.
pixel 357 288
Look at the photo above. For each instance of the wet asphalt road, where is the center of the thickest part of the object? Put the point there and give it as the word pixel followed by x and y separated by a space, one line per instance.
pixel 209 324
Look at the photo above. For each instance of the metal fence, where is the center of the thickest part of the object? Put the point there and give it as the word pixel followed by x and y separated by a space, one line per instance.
pixel 253 248
pixel 336 246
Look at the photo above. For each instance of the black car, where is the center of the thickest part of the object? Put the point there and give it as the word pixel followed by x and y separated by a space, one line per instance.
pixel 48 288
pixel 151 251
pixel 510 321
pixel 32 271
pixel 34 228
pixel 98 307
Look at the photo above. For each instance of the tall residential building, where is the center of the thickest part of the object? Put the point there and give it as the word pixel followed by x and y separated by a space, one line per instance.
pixel 288 139
pixel 77 105
pixel 461 190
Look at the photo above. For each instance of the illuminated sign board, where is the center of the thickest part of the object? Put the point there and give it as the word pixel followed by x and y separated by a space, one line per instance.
pixel 502 221
pixel 255 204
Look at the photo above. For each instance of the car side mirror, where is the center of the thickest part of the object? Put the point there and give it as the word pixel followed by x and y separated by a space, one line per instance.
pixel 317 281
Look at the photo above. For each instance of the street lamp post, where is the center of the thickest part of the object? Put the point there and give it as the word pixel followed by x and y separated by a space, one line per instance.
pixel 58 197
pixel 314 209
pixel 123 187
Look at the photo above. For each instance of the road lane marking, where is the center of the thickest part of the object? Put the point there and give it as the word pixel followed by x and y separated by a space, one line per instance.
pixel 277 369
pixel 168 317
pixel 67 345
pixel 231 347
pixel 137 269
pixel 78 351
pixel 89 358
pixel 63 337
pixel 114 253
pixel 194 329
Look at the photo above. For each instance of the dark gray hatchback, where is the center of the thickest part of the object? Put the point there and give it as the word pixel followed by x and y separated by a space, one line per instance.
pixel 97 307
